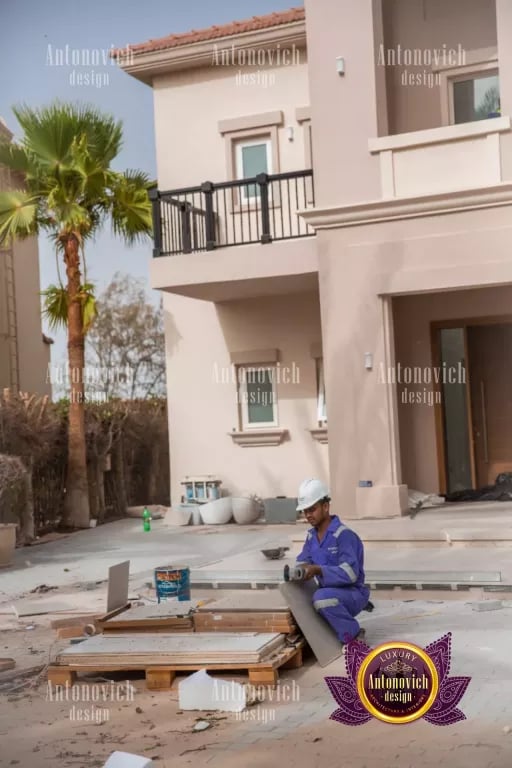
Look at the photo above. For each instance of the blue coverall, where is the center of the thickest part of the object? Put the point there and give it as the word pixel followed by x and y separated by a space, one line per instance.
pixel 342 593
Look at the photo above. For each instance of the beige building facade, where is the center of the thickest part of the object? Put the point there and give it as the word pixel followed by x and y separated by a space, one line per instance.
pixel 24 349
pixel 333 243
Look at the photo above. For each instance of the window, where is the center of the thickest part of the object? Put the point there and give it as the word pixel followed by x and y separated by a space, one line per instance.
pixel 252 158
pixel 321 405
pixel 475 97
pixel 257 396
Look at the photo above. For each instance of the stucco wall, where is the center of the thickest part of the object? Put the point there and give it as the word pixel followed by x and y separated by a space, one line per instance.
pixel 203 406
pixel 346 109
pixel 426 25
pixel 428 258
pixel 33 353
pixel 189 106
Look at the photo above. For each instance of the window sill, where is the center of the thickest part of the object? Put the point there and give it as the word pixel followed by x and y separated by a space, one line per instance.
pixel 320 434
pixel 258 437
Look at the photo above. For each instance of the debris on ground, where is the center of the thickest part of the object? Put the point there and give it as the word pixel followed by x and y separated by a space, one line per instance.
pixel 200 691
pixel 202 725
pixel 127 760
pixel 487 605
pixel 42 588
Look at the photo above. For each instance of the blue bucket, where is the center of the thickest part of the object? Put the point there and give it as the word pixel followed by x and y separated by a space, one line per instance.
pixel 171 582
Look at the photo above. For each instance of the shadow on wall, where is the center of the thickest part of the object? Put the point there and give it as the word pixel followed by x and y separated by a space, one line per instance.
pixel 358 331
pixel 289 323
pixel 312 466
pixel 172 335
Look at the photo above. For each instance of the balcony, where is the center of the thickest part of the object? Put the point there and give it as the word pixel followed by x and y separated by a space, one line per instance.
pixel 255 210
pixel 439 160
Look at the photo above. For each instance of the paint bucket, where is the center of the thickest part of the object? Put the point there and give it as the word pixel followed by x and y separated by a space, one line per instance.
pixel 172 581
pixel 212 491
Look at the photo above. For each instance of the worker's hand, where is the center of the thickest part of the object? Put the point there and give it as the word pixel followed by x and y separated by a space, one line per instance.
pixel 312 570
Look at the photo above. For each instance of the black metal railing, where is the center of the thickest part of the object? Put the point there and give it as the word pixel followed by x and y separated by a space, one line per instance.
pixel 262 209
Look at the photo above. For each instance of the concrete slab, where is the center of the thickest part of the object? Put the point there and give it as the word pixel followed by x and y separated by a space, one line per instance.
pixel 485 521
pixel 85 557
pixel 321 638
pixel 267 601
pixel 40 608
pixel 248 568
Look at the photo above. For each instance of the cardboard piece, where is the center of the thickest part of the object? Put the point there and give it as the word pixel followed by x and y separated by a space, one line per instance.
pixel 203 692
pixel 320 636
pixel 117 595
pixel 127 760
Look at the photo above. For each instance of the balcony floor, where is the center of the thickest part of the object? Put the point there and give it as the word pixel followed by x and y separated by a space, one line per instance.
pixel 245 271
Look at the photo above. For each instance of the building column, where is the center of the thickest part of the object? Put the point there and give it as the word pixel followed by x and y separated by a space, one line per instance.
pixel 504 30
pixel 359 361
pixel 348 97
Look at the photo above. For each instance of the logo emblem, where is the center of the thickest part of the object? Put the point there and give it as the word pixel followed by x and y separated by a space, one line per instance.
pixel 398 682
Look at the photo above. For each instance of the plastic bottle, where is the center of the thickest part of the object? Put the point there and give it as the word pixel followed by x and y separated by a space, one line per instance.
pixel 146 520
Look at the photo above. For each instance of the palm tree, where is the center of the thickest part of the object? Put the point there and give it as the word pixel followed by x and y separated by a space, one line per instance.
pixel 69 190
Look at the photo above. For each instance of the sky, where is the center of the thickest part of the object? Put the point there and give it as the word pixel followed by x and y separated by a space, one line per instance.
pixel 31 34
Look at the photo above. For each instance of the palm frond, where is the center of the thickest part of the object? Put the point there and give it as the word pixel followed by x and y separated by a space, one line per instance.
pixel 55 308
pixel 89 305
pixel 51 132
pixel 18 215
pixel 65 157
pixel 130 207
pixel 14 157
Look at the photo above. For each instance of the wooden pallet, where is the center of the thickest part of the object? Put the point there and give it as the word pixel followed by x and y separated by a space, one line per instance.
pixel 244 622
pixel 147 625
pixel 161 677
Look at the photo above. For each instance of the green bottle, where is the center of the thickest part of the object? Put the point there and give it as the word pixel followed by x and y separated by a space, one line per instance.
pixel 146 517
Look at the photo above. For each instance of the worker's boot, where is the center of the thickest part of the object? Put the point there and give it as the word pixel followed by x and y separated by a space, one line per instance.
pixel 358 638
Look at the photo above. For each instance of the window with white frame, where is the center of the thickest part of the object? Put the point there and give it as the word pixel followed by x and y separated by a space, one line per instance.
pixel 251 158
pixel 475 96
pixel 321 406
pixel 257 396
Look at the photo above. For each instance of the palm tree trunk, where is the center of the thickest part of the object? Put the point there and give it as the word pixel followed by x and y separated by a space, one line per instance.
pixel 27 520
pixel 118 470
pixel 77 491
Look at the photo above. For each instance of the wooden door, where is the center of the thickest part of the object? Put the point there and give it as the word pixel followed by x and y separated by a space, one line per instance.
pixel 490 358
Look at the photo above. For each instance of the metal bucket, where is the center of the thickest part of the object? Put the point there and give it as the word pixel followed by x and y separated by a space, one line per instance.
pixel 172 581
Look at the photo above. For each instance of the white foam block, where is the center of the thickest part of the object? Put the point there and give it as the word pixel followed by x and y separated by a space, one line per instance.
pixel 203 692
pixel 127 760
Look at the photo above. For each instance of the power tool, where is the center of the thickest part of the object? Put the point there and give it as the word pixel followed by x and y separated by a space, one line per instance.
pixel 294 572
pixel 298 573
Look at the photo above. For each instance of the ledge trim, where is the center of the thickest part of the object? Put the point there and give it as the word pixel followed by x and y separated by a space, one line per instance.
pixel 320 434
pixel 258 437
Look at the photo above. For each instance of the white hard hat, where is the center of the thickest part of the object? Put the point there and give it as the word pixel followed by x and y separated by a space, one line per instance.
pixel 310 492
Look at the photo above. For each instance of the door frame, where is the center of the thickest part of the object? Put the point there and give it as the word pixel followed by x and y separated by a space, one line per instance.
pixel 435 327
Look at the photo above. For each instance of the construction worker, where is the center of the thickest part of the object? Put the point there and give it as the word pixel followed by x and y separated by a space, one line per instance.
pixel 335 558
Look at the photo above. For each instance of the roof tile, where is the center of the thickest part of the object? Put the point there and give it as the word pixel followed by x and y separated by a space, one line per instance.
pixel 225 30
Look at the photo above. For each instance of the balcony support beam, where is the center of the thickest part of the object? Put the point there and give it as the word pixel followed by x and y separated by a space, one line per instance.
pixel 262 180
pixel 154 196
pixel 207 190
